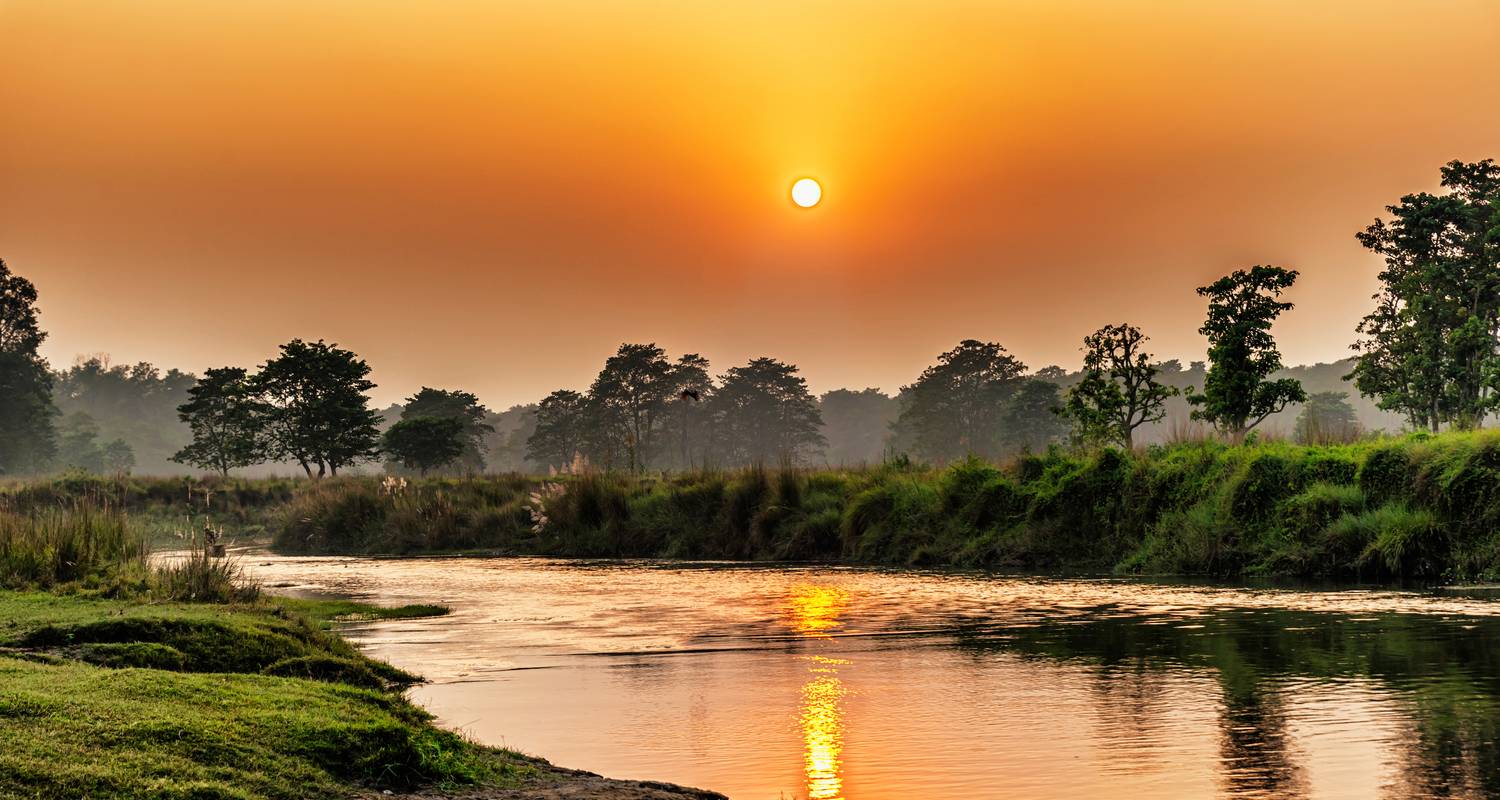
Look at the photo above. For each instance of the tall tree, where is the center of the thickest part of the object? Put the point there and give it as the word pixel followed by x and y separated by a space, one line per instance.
pixel 28 440
pixel 561 420
pixel 1431 347
pixel 463 407
pixel 426 443
pixel 319 414
pixel 228 420
pixel 954 408
pixel 692 386
pixel 1118 391
pixel 763 413
pixel 1238 393
pixel 630 397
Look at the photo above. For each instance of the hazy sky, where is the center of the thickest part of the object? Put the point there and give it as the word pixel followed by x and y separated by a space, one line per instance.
pixel 493 195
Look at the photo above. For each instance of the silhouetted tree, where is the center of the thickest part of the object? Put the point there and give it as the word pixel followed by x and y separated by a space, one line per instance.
pixel 79 447
pixel 426 443
pixel 629 400
pixel 319 414
pixel 456 405
pixel 687 414
pixel 763 413
pixel 28 440
pixel 1430 347
pixel 953 409
pixel 228 420
pixel 561 422
pixel 1237 392
pixel 1118 391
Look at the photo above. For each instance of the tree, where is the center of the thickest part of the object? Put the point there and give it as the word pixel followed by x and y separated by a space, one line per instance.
pixel 1237 392
pixel 953 409
pixel 426 443
pixel 1118 391
pixel 28 440
pixel 762 412
pixel 463 407
pixel 318 413
pixel 686 417
pixel 1327 418
pixel 118 457
pixel 630 398
pixel 561 419
pixel 78 443
pixel 1431 347
pixel 1029 421
pixel 228 420
pixel 857 424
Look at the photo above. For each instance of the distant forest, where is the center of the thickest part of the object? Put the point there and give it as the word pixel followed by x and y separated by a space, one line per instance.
pixel 106 409
pixel 1426 357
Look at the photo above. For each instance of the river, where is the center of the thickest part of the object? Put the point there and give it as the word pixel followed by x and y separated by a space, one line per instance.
pixel 828 683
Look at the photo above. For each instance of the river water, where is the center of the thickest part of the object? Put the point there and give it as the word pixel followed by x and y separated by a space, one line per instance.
pixel 866 684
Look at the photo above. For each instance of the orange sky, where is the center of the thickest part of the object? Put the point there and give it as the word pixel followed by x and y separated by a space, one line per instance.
pixel 493 195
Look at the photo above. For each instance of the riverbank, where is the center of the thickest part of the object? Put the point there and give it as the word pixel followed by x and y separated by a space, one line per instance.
pixel 1418 507
pixel 110 698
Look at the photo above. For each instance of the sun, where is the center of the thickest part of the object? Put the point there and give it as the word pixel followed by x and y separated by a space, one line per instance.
pixel 806 192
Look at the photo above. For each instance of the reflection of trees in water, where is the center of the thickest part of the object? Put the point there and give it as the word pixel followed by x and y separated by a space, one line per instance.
pixel 1445 671
pixel 1255 749
pixel 1452 748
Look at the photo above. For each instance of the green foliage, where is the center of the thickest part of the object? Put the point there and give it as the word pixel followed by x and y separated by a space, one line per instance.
pixel 228 420
pixel 52 547
pixel 462 409
pixel 953 409
pixel 762 413
pixel 562 421
pixel 27 439
pixel 1118 391
pixel 1431 346
pixel 318 412
pixel 425 443
pixel 1238 393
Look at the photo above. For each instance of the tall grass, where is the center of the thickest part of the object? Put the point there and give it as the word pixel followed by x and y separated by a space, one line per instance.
pixel 51 547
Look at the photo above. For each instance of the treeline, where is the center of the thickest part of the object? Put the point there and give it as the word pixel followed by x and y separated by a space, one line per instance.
pixel 1428 356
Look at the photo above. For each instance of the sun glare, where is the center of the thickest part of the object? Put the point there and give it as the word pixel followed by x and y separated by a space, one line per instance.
pixel 806 192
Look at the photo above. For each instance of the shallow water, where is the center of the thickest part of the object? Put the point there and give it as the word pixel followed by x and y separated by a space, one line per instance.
pixel 866 684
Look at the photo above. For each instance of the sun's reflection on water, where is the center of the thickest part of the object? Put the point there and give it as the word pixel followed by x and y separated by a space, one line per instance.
pixel 814 613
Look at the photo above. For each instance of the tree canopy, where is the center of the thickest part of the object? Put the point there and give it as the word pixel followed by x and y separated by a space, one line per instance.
pixel 1118 391
pixel 318 414
pixel 28 439
pixel 1238 392
pixel 1431 347
pixel 954 408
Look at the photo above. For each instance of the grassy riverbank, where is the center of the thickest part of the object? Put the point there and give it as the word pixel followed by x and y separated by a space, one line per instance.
pixel 120 678
pixel 1414 507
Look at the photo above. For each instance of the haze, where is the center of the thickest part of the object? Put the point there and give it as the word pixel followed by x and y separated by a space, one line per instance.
pixel 494 196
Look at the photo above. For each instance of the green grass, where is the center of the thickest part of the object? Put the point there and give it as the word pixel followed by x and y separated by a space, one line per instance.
pixel 1418 507
pixel 112 698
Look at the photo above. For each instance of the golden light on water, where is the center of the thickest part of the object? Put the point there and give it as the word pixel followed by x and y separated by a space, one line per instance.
pixel 823 731
pixel 814 611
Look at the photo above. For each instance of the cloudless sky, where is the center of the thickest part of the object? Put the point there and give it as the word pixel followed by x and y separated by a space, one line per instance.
pixel 494 195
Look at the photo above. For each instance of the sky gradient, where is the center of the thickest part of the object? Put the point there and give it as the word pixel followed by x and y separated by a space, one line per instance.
pixel 493 195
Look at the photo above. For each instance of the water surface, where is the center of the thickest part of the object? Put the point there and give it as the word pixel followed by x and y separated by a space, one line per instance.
pixel 865 684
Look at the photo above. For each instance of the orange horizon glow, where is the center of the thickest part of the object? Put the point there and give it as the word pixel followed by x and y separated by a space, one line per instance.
pixel 493 196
